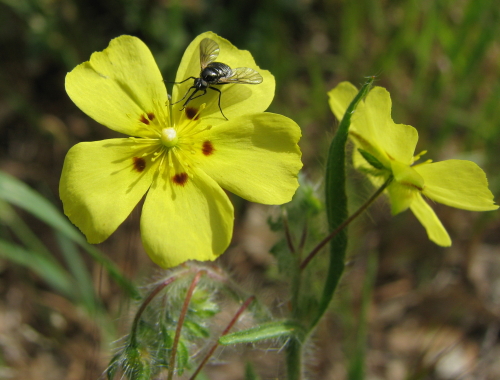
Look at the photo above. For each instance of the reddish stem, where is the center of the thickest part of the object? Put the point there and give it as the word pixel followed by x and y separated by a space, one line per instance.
pixel 303 237
pixel 226 330
pixel 184 310
pixel 346 222
pixel 153 294
pixel 288 235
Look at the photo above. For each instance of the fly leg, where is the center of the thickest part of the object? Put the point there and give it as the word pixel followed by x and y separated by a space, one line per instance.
pixel 220 94
pixel 186 94
pixel 192 97
pixel 182 81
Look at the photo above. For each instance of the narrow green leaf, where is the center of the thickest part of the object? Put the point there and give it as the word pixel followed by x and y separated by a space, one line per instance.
pixel 19 194
pixel 49 270
pixel 269 330
pixel 336 200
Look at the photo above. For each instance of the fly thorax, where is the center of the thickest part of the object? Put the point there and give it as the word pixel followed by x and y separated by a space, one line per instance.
pixel 200 84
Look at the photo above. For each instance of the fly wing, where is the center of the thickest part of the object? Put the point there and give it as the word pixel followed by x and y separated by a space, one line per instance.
pixel 209 51
pixel 242 75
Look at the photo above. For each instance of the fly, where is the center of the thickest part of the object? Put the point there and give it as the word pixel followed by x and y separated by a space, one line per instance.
pixel 216 74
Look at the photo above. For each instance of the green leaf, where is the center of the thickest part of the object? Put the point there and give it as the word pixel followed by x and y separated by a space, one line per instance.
pixel 269 330
pixel 19 194
pixel 336 201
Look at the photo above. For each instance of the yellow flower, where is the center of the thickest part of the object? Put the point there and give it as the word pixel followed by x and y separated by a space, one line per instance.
pixel 182 160
pixel 385 148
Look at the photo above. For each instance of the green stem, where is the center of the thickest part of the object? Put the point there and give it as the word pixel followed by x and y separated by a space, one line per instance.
pixel 294 359
pixel 335 232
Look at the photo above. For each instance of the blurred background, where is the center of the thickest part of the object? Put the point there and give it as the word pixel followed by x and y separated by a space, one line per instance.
pixel 424 311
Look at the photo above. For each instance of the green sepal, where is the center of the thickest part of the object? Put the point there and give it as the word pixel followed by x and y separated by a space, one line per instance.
pixel 196 329
pixel 371 159
pixel 202 304
pixel 135 364
pixel 113 366
pixel 182 357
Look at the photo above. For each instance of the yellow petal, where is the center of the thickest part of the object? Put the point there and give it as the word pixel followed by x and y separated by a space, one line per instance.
pixel 397 140
pixel 119 87
pixel 236 99
pixel 193 221
pixel 372 127
pixel 255 157
pixel 101 183
pixel 426 215
pixel 457 183
pixel 340 97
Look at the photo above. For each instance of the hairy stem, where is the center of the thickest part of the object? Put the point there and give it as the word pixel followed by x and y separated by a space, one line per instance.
pixel 153 294
pixel 180 322
pixel 226 330
pixel 294 359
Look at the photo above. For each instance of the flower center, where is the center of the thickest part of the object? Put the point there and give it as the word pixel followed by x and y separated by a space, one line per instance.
pixel 169 137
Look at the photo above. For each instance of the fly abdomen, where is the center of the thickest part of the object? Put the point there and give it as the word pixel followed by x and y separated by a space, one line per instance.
pixel 215 71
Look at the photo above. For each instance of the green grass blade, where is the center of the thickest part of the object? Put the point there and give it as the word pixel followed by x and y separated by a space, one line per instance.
pixel 82 290
pixel 10 218
pixel 357 362
pixel 250 373
pixel 336 201
pixel 19 194
pixel 84 284
pixel 50 271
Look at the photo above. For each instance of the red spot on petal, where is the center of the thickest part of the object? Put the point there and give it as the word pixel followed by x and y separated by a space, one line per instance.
pixel 180 178
pixel 207 148
pixel 151 116
pixel 139 164
pixel 191 113
pixel 144 120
